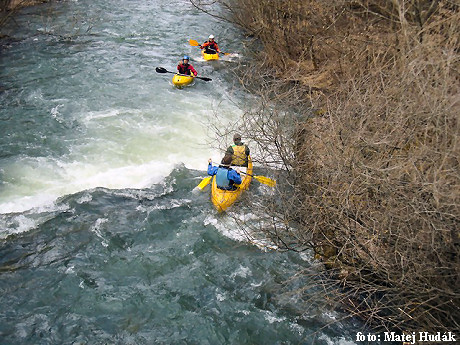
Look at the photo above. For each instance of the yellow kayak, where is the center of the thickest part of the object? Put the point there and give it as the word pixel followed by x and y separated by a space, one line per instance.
pixel 182 80
pixel 223 199
pixel 210 56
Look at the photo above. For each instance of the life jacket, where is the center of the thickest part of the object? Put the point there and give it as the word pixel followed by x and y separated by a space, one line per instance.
pixel 184 69
pixel 239 155
pixel 221 178
pixel 212 45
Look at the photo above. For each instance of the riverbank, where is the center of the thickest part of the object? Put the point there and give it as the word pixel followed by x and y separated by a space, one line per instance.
pixel 359 104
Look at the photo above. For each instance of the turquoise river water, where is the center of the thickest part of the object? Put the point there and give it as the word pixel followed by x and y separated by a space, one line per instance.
pixel 102 238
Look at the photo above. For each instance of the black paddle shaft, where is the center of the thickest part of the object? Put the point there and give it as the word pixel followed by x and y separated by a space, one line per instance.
pixel 164 70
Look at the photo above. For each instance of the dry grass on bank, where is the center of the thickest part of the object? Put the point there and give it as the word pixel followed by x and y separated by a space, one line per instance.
pixel 374 178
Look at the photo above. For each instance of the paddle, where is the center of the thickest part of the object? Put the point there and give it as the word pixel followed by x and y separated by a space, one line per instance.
pixel 262 179
pixel 204 182
pixel 163 70
pixel 194 43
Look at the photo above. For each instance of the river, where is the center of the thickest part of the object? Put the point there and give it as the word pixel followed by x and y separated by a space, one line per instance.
pixel 102 238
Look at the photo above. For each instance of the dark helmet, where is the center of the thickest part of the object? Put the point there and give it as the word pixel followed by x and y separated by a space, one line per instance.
pixel 237 138
pixel 227 160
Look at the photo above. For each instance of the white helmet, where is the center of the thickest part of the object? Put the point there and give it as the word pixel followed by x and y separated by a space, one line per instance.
pixel 211 36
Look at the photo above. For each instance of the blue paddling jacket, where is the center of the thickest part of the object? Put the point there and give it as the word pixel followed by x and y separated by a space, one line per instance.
pixel 226 177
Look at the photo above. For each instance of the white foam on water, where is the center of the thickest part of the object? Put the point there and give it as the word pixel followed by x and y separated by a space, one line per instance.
pixel 41 190
pixel 235 225
pixel 227 227
pixel 120 148
pixel 242 272
pixel 340 341
pixel 221 297
pixel 19 223
pixel 272 318
pixel 96 228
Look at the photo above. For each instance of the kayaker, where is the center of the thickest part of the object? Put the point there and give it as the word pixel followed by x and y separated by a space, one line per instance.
pixel 210 47
pixel 226 177
pixel 185 68
pixel 239 151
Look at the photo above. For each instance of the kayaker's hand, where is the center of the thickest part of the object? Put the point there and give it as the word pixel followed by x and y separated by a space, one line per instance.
pixel 238 171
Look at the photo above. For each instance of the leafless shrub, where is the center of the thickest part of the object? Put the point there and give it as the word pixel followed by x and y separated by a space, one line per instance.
pixel 372 176
pixel 381 175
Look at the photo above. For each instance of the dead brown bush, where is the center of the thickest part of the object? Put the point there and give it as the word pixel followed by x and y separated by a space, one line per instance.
pixel 373 178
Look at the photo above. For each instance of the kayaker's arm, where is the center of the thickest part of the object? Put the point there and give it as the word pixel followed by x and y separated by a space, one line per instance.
pixel 247 151
pixel 234 176
pixel 230 150
pixel 211 170
pixel 195 73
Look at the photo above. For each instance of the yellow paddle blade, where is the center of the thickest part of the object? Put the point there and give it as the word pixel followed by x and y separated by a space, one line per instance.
pixel 204 182
pixel 194 43
pixel 265 180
